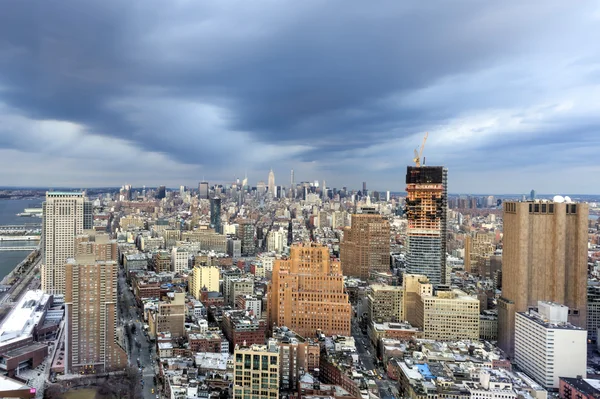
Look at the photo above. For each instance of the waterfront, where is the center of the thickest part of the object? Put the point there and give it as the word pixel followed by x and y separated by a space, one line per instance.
pixel 8 215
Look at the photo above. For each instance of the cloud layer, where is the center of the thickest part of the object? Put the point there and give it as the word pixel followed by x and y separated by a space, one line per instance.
pixel 147 92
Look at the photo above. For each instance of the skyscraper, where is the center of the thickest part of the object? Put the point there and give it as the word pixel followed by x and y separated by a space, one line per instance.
pixel 544 258
pixel 215 214
pixel 91 307
pixel 272 187
pixel 366 246
pixel 364 189
pixel 161 192
pixel 203 190
pixel 426 203
pixel 306 293
pixel 65 215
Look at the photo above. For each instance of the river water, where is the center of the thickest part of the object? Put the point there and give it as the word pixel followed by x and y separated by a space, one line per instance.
pixel 8 215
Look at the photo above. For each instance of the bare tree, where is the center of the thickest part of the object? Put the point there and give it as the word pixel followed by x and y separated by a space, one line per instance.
pixel 53 391
pixel 132 383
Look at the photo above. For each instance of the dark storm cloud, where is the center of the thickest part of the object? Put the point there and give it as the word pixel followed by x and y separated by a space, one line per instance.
pixel 317 81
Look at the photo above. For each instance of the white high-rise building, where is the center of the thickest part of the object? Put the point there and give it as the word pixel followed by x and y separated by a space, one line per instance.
pixel 65 216
pixel 272 186
pixel 547 346
pixel 275 241
pixel 179 260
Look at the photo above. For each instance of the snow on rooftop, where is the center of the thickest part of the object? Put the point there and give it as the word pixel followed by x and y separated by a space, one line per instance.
pixel 24 316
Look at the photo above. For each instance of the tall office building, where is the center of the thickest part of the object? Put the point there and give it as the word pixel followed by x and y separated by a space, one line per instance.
pixel 366 246
pixel 65 215
pixel 91 279
pixel 364 189
pixel 272 186
pixel 426 203
pixel 256 372
pixel 544 258
pixel 307 294
pixel 215 214
pixel 203 190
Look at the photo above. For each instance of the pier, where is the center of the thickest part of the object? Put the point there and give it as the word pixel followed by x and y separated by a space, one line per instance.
pixel 26 226
pixel 20 238
pixel 24 248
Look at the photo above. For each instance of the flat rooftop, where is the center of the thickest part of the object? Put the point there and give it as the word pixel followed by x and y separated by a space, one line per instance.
pixel 23 317
pixel 552 326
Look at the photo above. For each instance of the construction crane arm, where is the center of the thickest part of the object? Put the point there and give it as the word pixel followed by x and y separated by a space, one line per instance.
pixel 419 155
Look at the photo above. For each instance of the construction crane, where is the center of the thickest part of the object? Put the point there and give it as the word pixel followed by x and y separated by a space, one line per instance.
pixel 419 154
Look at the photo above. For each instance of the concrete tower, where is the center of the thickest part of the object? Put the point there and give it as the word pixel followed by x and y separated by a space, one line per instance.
pixel 544 258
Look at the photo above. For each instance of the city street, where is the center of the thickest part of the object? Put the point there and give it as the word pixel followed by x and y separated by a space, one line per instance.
pixel 140 346
pixel 368 357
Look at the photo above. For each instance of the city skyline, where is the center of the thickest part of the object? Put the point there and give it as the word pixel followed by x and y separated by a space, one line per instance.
pixel 171 93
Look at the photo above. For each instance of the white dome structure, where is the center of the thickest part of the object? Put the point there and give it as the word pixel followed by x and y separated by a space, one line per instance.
pixel 558 198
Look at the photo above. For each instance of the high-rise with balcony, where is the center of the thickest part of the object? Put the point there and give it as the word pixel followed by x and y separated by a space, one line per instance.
pixel 91 344
pixel 65 216
pixel 426 203
pixel 544 258
pixel 307 294
pixel 366 245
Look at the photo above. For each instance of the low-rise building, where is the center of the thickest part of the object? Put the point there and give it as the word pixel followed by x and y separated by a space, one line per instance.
pixel 298 355
pixel 209 341
pixel 239 328
pixel 402 331
pixel 488 326
pixel 579 388
pixel 250 303
pixel 170 315
pixel 19 332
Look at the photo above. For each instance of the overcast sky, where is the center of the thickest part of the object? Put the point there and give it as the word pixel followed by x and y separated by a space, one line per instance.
pixel 96 93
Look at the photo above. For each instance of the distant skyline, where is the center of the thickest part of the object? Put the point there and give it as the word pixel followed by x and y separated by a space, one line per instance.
pixel 104 93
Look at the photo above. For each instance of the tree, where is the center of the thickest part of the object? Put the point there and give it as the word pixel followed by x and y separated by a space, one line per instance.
pixel 53 391
pixel 132 383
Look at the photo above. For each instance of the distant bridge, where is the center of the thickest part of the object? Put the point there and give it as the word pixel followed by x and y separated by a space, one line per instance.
pixel 25 248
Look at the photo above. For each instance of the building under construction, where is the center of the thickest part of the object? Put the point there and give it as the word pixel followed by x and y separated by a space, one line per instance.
pixel 426 204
